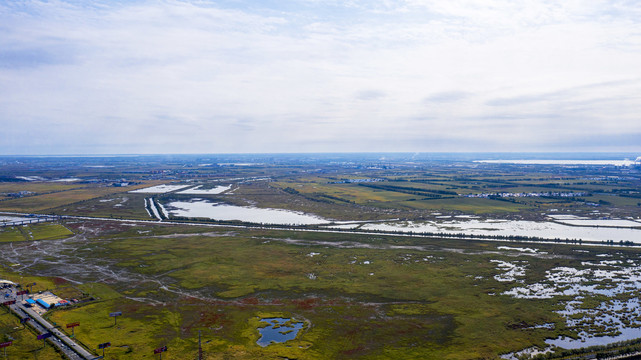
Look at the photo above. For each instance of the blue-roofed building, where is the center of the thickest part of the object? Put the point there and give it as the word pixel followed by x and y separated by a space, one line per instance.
pixel 43 303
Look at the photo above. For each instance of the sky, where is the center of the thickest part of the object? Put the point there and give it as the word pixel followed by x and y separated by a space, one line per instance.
pixel 244 76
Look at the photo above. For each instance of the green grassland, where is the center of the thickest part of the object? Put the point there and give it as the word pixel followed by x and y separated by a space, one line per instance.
pixel 41 231
pixel 47 201
pixel 360 296
pixel 414 192
pixel 42 283
pixel 468 205
pixel 361 302
pixel 60 286
pixel 48 231
pixel 25 345
pixel 11 233
pixel 403 201
pixel 353 202
pixel 36 188
pixel 122 206
pixel 409 194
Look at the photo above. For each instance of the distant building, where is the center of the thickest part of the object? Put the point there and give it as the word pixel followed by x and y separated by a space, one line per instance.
pixel 20 194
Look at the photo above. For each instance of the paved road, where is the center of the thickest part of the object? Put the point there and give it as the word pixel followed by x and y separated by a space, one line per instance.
pixel 68 347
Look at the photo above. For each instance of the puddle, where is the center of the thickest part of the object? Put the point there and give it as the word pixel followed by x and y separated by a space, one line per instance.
pixel 512 270
pixel 278 330
pixel 620 321
pixel 520 249
pixel 616 318
pixel 529 352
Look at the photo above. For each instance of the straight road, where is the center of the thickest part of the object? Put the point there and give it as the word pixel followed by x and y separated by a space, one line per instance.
pixel 59 339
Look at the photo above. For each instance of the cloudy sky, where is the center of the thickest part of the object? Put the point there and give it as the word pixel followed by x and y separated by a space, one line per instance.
pixel 201 76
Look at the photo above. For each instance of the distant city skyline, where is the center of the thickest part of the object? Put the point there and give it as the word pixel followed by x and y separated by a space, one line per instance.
pixel 242 76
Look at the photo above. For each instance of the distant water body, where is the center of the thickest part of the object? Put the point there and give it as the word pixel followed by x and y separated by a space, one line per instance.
pixel 563 162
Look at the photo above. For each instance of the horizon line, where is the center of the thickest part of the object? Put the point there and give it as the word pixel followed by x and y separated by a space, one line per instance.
pixel 332 152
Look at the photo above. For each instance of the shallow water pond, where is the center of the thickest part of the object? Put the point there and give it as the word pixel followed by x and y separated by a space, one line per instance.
pixel 216 211
pixel 614 285
pixel 278 330
pixel 542 229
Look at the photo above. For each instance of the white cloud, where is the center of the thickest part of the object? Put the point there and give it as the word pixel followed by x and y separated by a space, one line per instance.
pixel 180 76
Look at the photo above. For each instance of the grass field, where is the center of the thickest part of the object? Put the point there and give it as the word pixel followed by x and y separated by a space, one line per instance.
pixel 468 205
pixel 11 233
pixel 121 205
pixel 361 302
pixel 25 345
pixel 40 203
pixel 403 199
pixel 414 192
pixel 35 188
pixel 42 231
pixel 358 296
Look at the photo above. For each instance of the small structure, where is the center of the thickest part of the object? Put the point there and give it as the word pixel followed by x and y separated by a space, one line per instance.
pixel 43 303
pixel 46 300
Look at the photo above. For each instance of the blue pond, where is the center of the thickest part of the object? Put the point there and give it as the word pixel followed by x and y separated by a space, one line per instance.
pixel 279 330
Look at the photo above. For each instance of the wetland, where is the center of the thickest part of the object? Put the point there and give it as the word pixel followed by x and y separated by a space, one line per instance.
pixel 122 244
